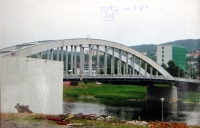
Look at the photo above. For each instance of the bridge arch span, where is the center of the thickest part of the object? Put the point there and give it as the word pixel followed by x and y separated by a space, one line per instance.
pixel 125 54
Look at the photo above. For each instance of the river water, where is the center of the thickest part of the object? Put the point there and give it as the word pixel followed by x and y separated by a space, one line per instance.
pixel 133 109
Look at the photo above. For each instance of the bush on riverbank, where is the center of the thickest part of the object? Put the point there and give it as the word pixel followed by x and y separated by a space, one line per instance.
pixel 105 91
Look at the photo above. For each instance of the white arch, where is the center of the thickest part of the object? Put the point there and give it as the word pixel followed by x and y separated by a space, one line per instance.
pixel 124 60
pixel 36 47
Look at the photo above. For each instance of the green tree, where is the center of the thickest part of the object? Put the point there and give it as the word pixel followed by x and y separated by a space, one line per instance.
pixel 173 69
pixel 101 71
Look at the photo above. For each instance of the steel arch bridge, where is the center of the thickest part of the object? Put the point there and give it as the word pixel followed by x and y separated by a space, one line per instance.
pixel 130 59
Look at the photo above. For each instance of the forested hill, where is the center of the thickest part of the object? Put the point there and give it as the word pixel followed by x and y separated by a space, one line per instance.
pixel 190 44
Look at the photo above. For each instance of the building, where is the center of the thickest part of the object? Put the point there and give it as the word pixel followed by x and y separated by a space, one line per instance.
pixel 165 53
pixel 194 54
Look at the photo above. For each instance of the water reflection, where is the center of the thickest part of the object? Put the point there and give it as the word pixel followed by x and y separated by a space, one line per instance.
pixel 130 110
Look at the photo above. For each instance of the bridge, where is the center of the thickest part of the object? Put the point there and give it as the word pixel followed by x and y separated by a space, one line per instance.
pixel 49 68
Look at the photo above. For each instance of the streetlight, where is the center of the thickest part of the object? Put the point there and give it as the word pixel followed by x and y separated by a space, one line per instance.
pixel 162 99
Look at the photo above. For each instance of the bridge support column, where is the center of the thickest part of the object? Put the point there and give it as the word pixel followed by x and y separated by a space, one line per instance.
pixel 126 63
pixel 113 61
pixel 139 67
pixel 48 53
pixel 98 71
pixel 105 60
pixel 72 71
pixel 151 70
pixel 83 56
pixel 168 93
pixel 51 54
pixel 120 61
pixel 81 60
pixel 118 66
pixel 39 55
pixel 75 48
pixel 133 64
pixel 146 69
pixel 90 60
pixel 66 60
pixel 61 53
pixel 57 54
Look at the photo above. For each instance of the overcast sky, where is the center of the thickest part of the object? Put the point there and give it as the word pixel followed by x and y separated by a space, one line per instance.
pixel 129 22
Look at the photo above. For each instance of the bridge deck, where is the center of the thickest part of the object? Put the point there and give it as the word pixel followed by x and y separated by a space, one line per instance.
pixel 126 77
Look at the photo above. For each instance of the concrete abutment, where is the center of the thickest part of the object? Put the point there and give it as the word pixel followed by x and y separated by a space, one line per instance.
pixel 34 82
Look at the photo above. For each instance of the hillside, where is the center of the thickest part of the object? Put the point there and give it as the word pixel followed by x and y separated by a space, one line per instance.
pixel 190 44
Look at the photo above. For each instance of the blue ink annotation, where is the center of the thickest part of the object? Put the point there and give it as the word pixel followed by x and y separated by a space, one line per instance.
pixel 87 37
pixel 109 13
pixel 141 8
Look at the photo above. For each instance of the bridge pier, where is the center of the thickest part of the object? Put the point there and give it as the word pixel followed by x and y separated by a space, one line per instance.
pixel 168 93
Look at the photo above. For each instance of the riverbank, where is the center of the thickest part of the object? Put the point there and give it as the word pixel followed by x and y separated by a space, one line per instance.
pixel 10 120
pixel 120 92
pixel 23 120
pixel 107 91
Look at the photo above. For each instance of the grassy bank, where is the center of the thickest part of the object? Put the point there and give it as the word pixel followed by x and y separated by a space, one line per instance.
pixel 10 120
pixel 190 97
pixel 23 120
pixel 111 91
pixel 105 91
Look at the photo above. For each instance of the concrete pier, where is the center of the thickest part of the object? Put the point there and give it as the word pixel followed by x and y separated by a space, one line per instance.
pixel 34 82
pixel 168 93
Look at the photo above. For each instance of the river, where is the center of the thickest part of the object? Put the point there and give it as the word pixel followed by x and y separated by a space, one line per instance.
pixel 133 109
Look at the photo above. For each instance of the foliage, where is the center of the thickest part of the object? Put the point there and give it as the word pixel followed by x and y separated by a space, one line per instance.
pixel 173 69
pixel 101 71
pixel 145 48
pixel 191 97
pixel 152 56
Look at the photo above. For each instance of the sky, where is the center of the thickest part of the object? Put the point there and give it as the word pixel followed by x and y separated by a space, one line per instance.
pixel 128 22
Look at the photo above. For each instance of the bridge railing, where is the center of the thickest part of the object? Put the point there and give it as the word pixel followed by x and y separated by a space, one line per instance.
pixel 188 79
pixel 109 76
pixel 82 76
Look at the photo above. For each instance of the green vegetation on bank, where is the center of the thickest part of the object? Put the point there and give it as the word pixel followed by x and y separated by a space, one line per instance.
pixel 105 91
pixel 191 97
pixel 111 91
